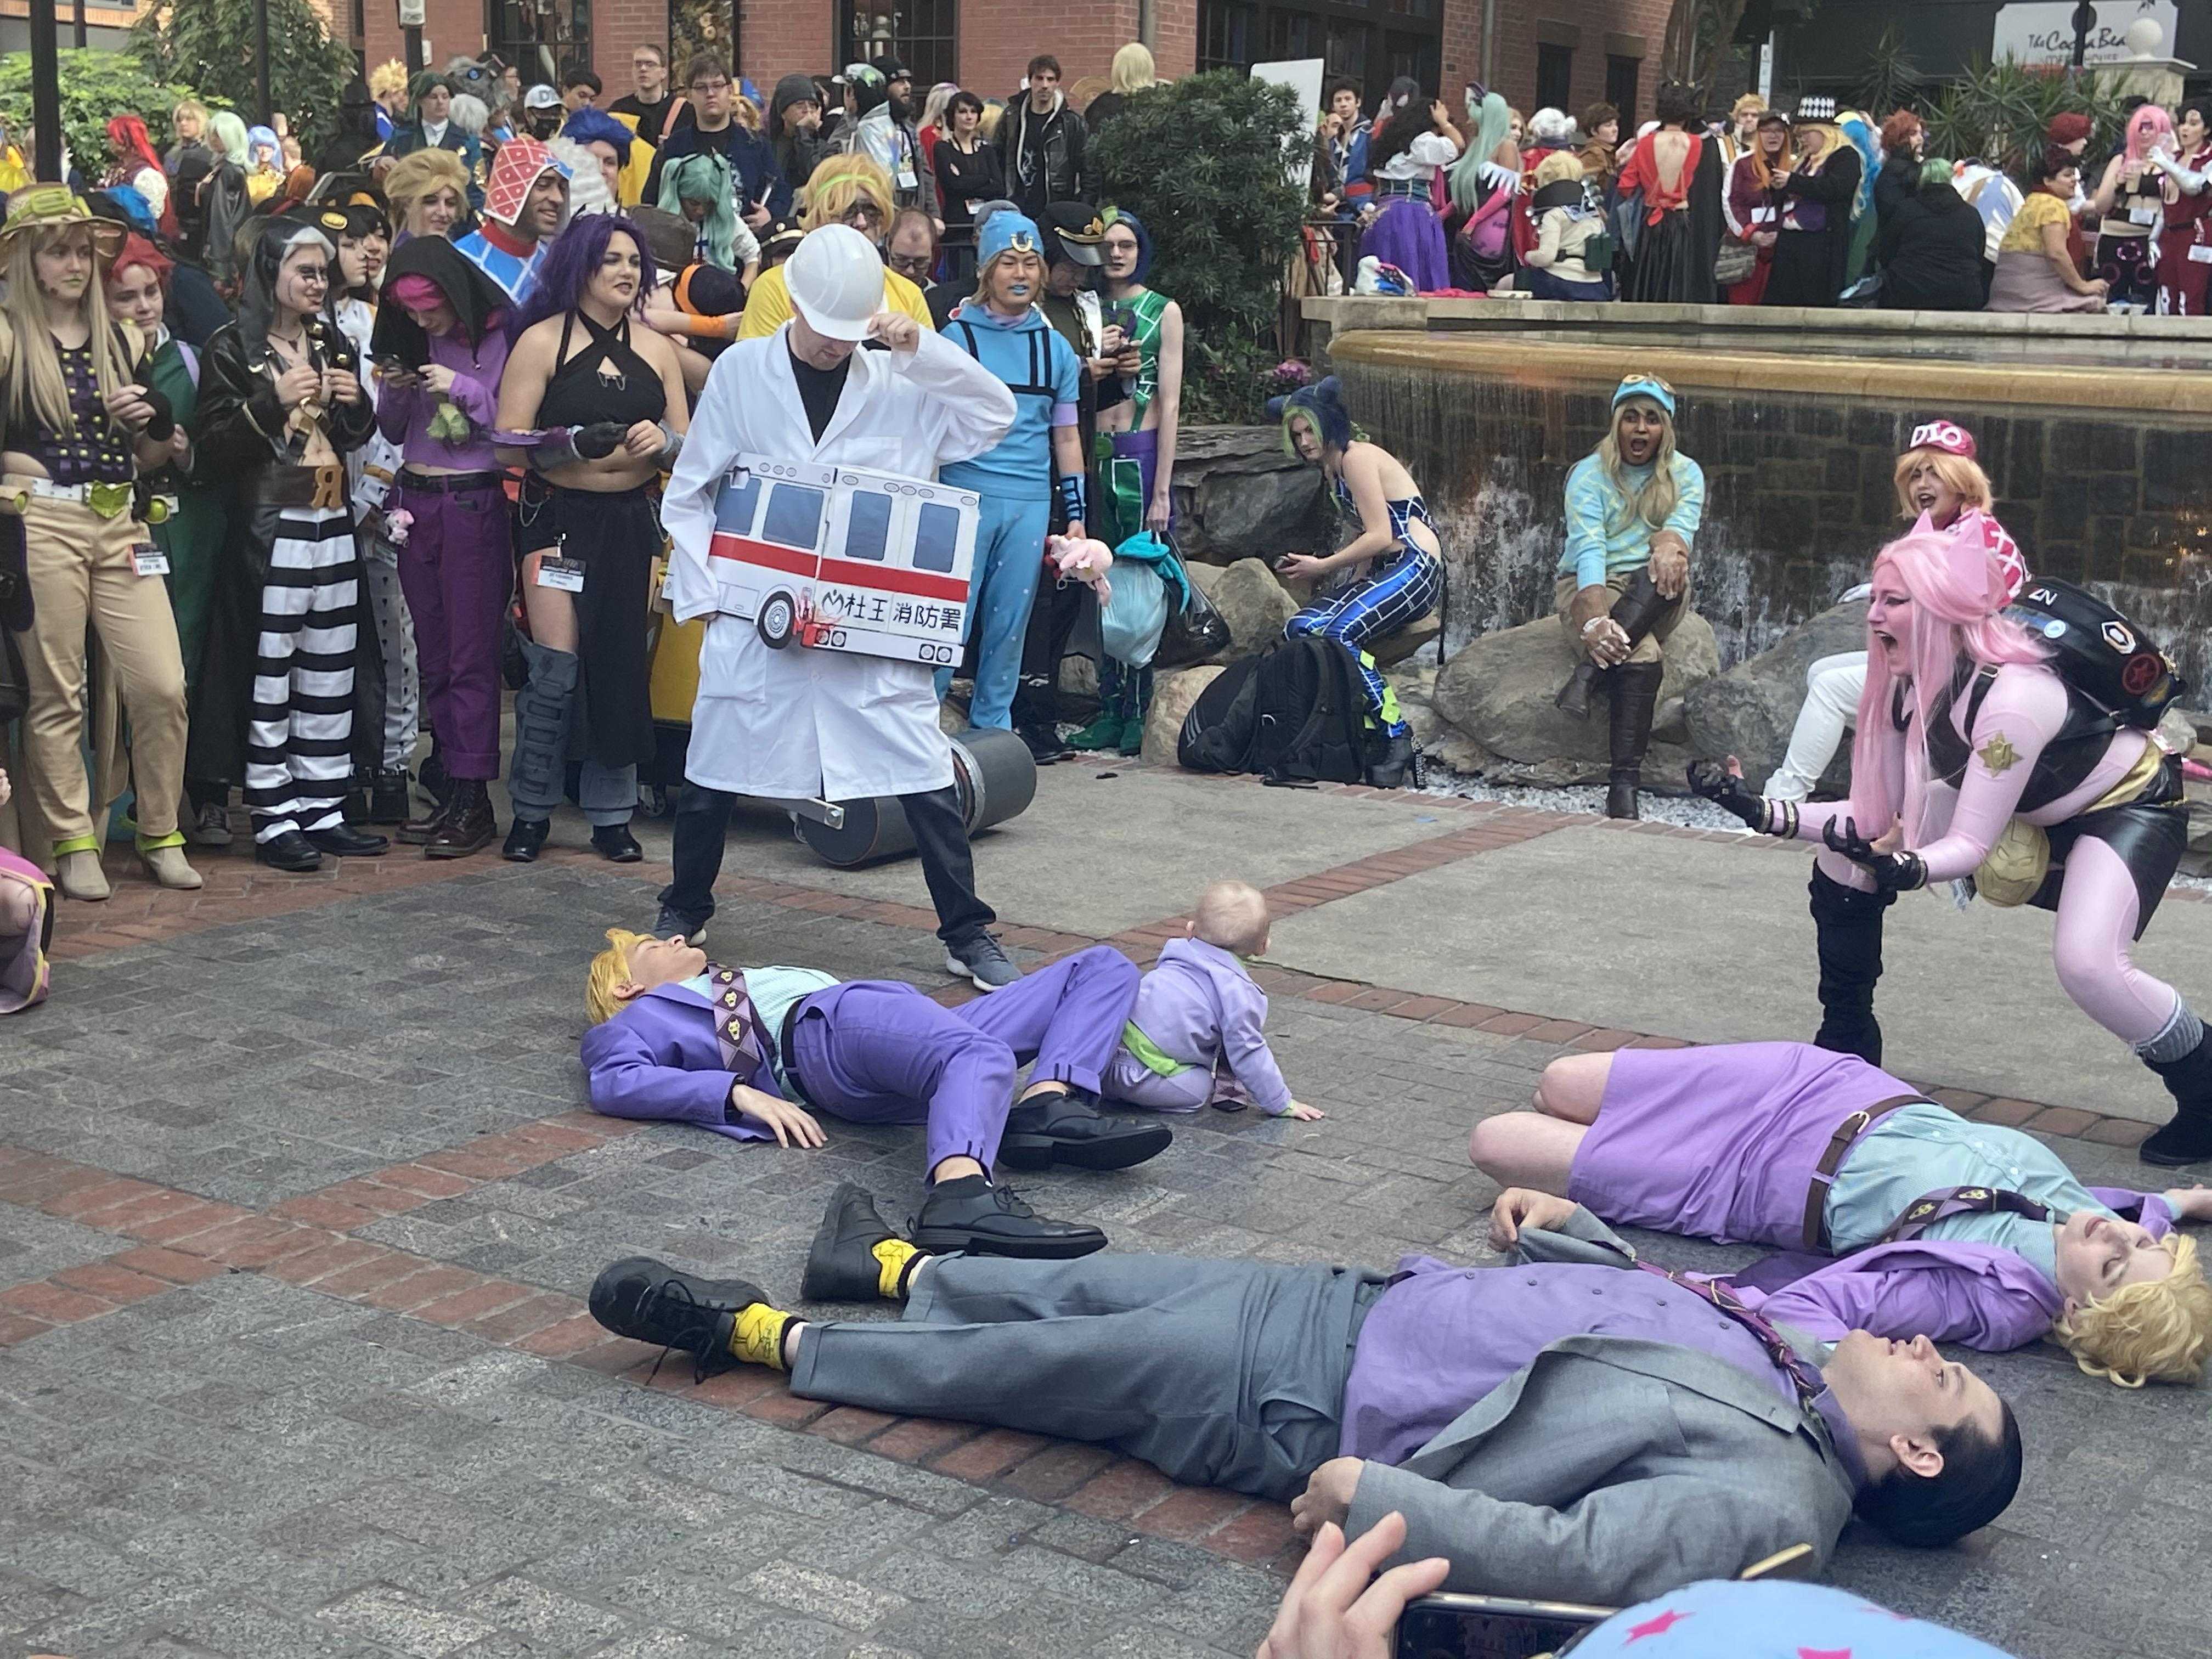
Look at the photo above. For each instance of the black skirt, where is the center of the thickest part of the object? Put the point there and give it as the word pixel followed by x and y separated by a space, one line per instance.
pixel 617 536
pixel 1666 268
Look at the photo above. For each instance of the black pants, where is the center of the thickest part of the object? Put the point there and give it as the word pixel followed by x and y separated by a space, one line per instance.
pixel 940 837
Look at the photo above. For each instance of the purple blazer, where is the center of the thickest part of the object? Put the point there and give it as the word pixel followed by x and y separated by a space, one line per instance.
pixel 658 1058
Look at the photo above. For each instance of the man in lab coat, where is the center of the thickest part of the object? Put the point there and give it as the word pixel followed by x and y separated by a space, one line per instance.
pixel 795 724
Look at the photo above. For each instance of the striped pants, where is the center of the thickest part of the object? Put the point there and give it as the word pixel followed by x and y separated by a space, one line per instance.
pixel 299 744
pixel 1397 597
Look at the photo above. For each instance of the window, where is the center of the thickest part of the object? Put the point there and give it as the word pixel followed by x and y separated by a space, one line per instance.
pixel 923 34
pixel 1367 42
pixel 1293 34
pixel 1555 75
pixel 734 504
pixel 867 525
pixel 1228 35
pixel 540 37
pixel 936 537
pixel 1620 75
pixel 794 516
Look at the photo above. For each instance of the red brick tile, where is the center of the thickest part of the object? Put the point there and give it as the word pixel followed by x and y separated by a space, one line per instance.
pixel 783 1407
pixel 1336 990
pixel 1422 1007
pixel 1556 1030
pixel 372 1195
pixel 154 1203
pixel 1601 1042
pixel 2009 1113
pixel 20 1327
pixel 2118 1132
pixel 1511 1025
pixel 423 1182
pixel 511 1324
pixel 327 1259
pixel 850 1425
pixel 100 1195
pixel 563 1138
pixel 1376 1000
pixel 1466 1014
pixel 621 1354
pixel 1120 1491
pixel 49 1185
pixel 329 1213
pixel 2061 1121
pixel 475 1303
pixel 914 1438
pixel 1255 1535
pixel 571 1335
pixel 736 1388
pixel 114 1284
pixel 1190 1513
pixel 1055 1472
pixel 406 1295
pixel 989 1455
pixel 385 1267
pixel 172 1265
pixel 477 1166
pixel 255 1243
pixel 1962 1101
pixel 182 1224
pixel 55 1303
pixel 1657 1042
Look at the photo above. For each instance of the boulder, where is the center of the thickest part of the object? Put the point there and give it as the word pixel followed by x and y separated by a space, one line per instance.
pixel 1253 603
pixel 1238 496
pixel 1443 743
pixel 1392 649
pixel 1172 696
pixel 1748 712
pixel 1498 690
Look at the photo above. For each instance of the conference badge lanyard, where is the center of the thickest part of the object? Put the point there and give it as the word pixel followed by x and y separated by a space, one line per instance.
pixel 149 559
pixel 558 571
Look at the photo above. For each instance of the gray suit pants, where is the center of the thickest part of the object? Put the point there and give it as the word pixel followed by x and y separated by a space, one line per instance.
pixel 1216 1373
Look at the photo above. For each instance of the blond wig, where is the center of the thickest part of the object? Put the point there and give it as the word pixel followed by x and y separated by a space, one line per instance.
pixel 609 969
pixel 1655 501
pixel 2158 1331
pixel 1965 476
pixel 424 172
pixel 38 396
pixel 841 181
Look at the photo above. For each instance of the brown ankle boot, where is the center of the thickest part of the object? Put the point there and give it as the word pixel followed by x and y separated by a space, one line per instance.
pixel 468 825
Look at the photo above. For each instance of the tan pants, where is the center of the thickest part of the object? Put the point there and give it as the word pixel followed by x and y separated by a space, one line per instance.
pixel 1647 648
pixel 83 576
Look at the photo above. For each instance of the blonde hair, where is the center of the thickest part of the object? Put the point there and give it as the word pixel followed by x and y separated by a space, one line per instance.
pixel 609 969
pixel 1134 70
pixel 1558 167
pixel 841 181
pixel 1967 478
pixel 994 110
pixel 191 106
pixel 420 173
pixel 1750 103
pixel 2156 1331
pixel 1233 916
pixel 38 396
pixel 1655 501
pixel 745 112
pixel 388 77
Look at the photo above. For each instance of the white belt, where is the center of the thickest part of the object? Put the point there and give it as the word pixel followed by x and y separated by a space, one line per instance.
pixel 59 492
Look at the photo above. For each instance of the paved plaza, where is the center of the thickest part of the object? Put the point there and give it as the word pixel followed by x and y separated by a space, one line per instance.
pixel 299 1200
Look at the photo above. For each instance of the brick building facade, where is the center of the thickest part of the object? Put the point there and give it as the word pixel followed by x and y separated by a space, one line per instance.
pixel 1569 52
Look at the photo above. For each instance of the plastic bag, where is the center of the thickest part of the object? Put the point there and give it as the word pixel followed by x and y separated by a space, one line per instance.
pixel 1195 634
pixel 1130 622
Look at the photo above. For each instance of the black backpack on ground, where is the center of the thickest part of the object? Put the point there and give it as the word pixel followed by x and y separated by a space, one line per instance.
pixel 1298 711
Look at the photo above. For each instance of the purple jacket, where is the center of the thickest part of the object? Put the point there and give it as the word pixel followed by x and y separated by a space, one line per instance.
pixel 404 416
pixel 1980 1295
pixel 658 1058
pixel 1200 1005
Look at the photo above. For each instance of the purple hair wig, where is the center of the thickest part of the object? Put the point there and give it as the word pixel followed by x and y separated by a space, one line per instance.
pixel 571 262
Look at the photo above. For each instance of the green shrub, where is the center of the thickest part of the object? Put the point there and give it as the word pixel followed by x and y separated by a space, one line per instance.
pixel 95 85
pixel 1996 112
pixel 1202 163
pixel 210 45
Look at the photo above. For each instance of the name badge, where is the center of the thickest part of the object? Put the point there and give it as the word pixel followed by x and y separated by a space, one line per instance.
pixel 149 559
pixel 2200 255
pixel 565 573
pixel 2145 215
pixel 909 178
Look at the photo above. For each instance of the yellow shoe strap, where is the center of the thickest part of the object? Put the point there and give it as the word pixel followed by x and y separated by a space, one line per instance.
pixel 892 1256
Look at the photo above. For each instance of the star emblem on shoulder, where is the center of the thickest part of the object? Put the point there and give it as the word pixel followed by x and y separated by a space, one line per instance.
pixel 1998 755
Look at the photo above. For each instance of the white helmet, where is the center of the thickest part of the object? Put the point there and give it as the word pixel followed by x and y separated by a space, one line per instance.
pixel 835 280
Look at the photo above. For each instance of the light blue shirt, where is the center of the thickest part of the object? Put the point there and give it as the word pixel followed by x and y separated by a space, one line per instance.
pixel 1605 536
pixel 1917 1150
pixel 773 990
pixel 1031 356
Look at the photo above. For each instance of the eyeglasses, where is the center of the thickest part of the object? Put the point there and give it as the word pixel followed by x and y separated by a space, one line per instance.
pixel 915 266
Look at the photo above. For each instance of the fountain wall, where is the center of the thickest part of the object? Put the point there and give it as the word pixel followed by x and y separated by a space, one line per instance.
pixel 2100 450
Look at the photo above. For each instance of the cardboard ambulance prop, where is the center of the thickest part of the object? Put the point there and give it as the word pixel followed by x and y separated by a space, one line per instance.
pixel 845 558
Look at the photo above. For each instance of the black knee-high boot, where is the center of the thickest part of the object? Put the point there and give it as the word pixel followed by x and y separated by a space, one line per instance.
pixel 1848 926
pixel 1635 691
pixel 1637 610
pixel 2188 1138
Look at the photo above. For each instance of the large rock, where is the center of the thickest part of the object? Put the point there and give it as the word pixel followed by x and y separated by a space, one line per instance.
pixel 1748 712
pixel 1498 690
pixel 1442 742
pixel 1253 603
pixel 1172 696
pixel 1238 496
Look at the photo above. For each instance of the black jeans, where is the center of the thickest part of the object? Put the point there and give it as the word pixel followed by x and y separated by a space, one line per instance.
pixel 940 837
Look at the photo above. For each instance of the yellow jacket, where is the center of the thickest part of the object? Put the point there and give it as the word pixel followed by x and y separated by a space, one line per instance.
pixel 768 303
pixel 630 183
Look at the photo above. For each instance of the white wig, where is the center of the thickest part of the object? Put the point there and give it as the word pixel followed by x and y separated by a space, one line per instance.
pixel 588 185
pixel 470 114
pixel 1551 127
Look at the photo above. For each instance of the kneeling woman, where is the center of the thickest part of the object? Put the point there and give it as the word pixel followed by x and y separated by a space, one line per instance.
pixel 1963 1232
pixel 1394 565
pixel 1969 744
pixel 609 407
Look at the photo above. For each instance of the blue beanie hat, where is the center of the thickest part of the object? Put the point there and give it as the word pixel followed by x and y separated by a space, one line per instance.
pixel 1003 232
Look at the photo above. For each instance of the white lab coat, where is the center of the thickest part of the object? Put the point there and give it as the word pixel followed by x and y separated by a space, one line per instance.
pixel 797 723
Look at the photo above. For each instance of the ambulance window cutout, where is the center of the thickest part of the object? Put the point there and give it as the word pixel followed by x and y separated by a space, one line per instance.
pixel 794 516
pixel 733 509
pixel 936 537
pixel 867 526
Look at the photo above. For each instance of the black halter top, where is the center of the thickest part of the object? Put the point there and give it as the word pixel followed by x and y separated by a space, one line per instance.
pixel 607 380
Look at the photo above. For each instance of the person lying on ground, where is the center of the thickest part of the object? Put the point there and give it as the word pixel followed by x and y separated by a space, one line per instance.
pixel 1964 1232
pixel 1196 1036
pixel 1586 1430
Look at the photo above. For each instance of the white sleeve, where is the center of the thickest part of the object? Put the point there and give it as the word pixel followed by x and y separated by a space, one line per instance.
pixel 687 507
pixel 745 246
pixel 970 408
pixel 1433 149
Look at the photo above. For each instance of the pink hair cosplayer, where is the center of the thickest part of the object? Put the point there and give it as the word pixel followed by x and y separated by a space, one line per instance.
pixel 1957 592
pixel 2146 126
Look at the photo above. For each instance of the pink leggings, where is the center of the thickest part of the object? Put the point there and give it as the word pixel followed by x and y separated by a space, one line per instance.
pixel 2097 910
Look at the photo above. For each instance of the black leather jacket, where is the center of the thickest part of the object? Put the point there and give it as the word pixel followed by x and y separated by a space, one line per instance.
pixel 240 424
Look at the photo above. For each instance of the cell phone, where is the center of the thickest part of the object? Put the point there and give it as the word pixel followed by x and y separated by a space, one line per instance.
pixel 1450 1627
pixel 390 363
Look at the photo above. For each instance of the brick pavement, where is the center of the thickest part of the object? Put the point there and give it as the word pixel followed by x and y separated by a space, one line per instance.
pixel 293 1361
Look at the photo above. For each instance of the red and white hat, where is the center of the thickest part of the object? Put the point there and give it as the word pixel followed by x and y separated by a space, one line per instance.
pixel 1947 436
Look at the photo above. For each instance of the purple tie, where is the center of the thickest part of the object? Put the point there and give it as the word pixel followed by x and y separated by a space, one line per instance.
pixel 1803 1377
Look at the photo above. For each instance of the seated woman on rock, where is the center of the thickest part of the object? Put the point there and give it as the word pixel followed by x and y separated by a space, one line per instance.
pixel 1393 567
pixel 1964 1232
pixel 1634 505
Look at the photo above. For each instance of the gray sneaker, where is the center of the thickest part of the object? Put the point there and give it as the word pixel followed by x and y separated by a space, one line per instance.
pixel 670 923
pixel 981 959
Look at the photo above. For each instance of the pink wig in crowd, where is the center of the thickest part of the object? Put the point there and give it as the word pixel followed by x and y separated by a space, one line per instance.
pixel 1957 591
pixel 2145 127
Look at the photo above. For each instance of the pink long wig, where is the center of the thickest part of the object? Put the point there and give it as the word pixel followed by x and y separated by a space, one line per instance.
pixel 2145 126
pixel 1957 592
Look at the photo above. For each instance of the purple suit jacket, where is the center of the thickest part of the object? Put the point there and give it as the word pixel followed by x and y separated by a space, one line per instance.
pixel 1980 1295
pixel 658 1058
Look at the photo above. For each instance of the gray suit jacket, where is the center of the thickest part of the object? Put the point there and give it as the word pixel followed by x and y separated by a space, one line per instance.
pixel 1608 1469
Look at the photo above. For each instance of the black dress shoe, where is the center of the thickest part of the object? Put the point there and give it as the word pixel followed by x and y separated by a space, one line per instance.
pixel 1044 744
pixel 290 851
pixel 615 842
pixel 387 797
pixel 343 841
pixel 971 1214
pixel 1068 1129
pixel 649 1301
pixel 840 1265
pixel 525 839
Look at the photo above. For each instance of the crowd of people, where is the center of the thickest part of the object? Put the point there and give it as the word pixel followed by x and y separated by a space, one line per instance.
pixel 1813 206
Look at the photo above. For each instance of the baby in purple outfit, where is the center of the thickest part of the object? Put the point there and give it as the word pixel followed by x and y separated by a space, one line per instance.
pixel 1195 1035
